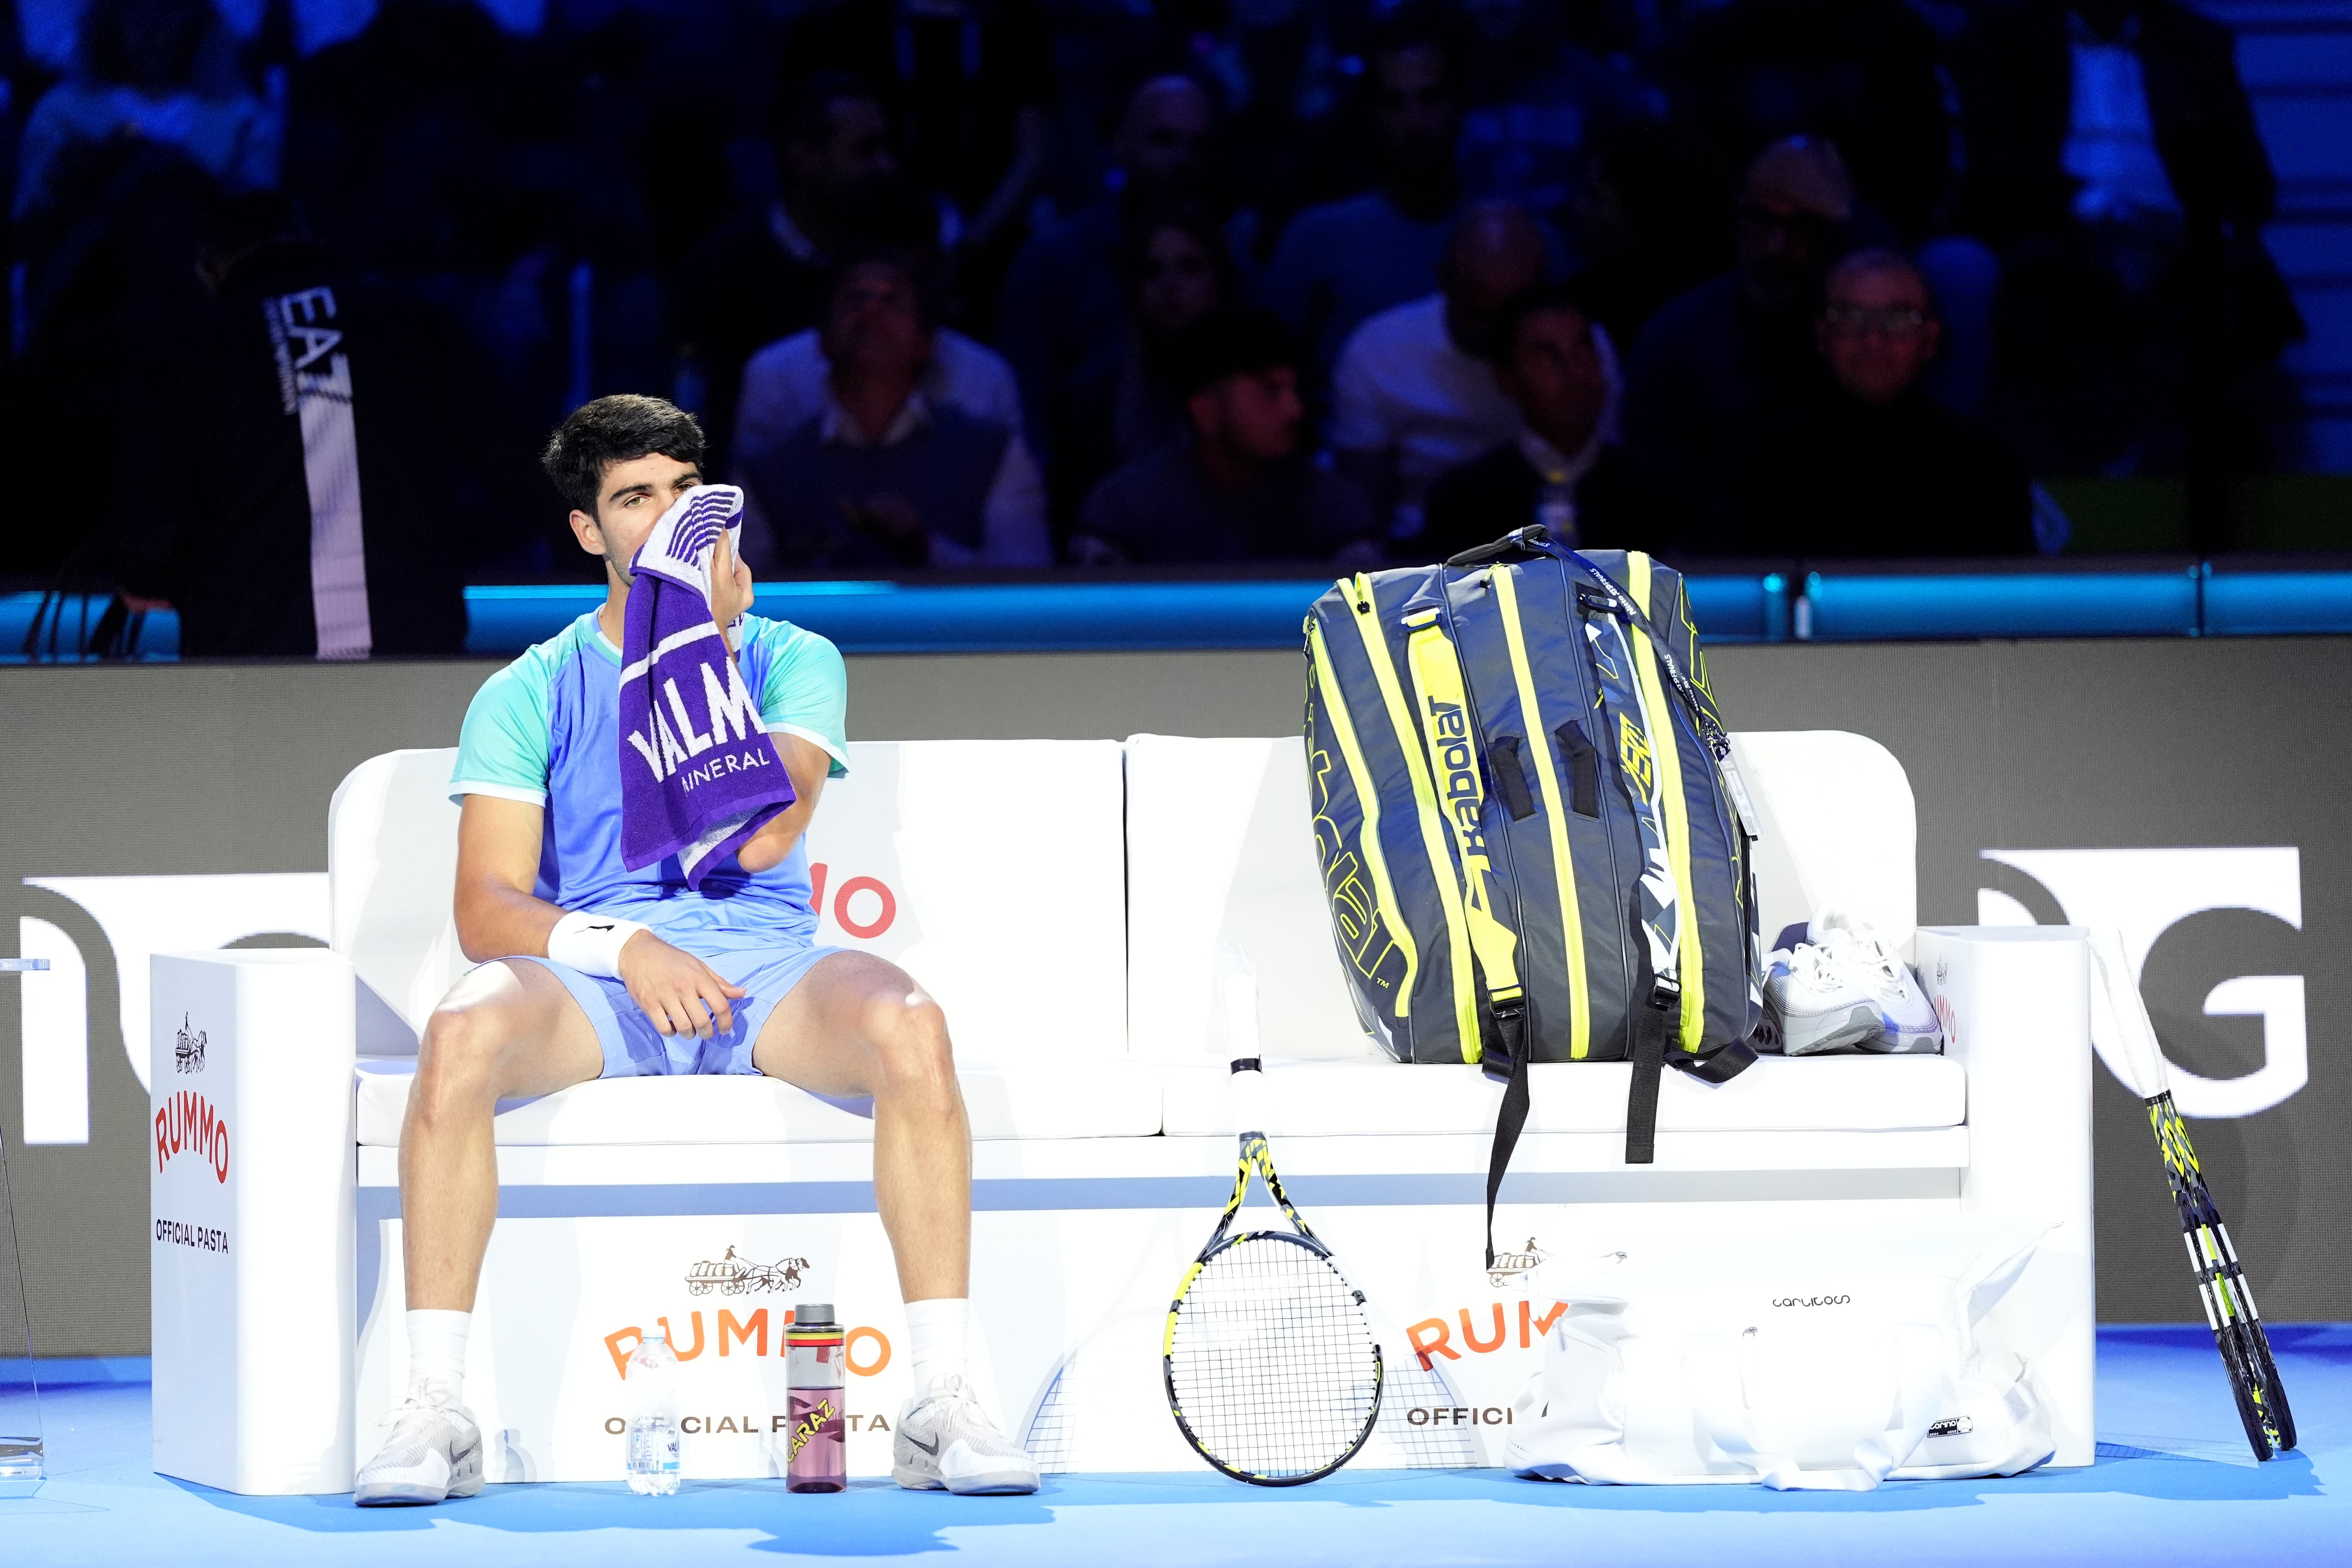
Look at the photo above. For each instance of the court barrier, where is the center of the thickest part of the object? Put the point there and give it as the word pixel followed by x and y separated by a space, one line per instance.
pixel 1766 601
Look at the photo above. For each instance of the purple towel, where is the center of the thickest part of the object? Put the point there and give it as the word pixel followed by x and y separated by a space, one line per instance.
pixel 698 773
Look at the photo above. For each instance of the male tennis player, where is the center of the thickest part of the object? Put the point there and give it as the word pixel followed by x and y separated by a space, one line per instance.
pixel 590 970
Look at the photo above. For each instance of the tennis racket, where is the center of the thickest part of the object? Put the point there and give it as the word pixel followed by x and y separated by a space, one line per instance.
pixel 1273 1374
pixel 2221 1282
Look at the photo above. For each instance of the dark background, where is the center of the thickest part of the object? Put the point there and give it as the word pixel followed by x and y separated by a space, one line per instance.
pixel 200 768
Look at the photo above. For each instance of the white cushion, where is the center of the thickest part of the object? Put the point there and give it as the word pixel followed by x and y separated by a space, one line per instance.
pixel 1098 1099
pixel 992 871
pixel 1778 1094
pixel 1220 848
pixel 1838 827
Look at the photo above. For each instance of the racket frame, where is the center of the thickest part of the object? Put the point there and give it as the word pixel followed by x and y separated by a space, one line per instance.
pixel 2222 1288
pixel 1257 1157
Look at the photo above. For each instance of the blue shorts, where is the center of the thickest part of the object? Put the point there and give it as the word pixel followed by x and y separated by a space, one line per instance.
pixel 634 1049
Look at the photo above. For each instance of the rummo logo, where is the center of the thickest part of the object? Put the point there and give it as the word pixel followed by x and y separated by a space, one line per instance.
pixel 188 1053
pixel 865 1351
pixel 1508 1264
pixel 734 1276
pixel 866 917
pixel 2143 894
pixel 189 1125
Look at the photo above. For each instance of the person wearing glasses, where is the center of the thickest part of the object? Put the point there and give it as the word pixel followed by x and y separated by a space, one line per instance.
pixel 1871 466
pixel 1714 363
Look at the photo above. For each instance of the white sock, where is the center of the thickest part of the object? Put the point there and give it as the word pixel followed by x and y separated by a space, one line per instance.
pixel 937 1330
pixel 436 1350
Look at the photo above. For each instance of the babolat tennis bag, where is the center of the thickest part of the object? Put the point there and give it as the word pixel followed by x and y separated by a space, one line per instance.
pixel 1530 830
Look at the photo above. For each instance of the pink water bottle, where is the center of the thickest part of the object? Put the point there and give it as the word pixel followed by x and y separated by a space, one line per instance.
pixel 816 1457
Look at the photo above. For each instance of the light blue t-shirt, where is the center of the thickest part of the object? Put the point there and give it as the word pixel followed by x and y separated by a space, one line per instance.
pixel 545 731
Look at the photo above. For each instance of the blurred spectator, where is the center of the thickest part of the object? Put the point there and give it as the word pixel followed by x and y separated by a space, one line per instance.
pixel 1863 75
pixel 1176 271
pixel 1561 469
pixel 882 476
pixel 139 76
pixel 320 464
pixel 1873 467
pixel 1063 320
pixel 107 279
pixel 1414 393
pixel 970 86
pixel 1239 486
pixel 2114 160
pixel 1713 362
pixel 1343 262
pixel 1535 93
pixel 784 387
pixel 1647 222
pixel 764 277
pixel 1281 74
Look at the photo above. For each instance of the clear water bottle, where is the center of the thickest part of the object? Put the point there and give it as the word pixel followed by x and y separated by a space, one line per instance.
pixel 816 1458
pixel 652 1384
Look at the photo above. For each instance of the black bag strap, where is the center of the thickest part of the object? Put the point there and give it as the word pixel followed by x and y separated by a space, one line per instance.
pixel 1512 1118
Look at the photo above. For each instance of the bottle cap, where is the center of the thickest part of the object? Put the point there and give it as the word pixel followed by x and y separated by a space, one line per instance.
pixel 814 1315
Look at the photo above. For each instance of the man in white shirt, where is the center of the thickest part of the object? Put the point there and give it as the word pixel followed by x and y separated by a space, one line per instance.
pixel 784 388
pixel 1414 394
pixel 882 475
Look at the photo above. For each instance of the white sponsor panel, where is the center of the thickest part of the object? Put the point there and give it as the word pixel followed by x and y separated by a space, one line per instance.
pixel 1069 1310
pixel 249 1151
pixel 142 916
pixel 2142 894
pixel 55 1023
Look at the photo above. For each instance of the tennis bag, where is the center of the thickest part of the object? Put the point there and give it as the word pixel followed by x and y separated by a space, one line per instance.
pixel 1530 831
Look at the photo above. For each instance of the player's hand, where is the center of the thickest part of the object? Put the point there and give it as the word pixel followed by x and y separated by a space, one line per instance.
pixel 730 584
pixel 677 990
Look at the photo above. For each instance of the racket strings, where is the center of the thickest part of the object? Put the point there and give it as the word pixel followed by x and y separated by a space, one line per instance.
pixel 1272 1363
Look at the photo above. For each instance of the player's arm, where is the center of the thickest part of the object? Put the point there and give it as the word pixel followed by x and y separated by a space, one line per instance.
pixel 807 764
pixel 498 914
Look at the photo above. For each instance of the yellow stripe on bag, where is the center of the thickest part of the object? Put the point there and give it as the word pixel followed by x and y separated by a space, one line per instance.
pixel 1432 838
pixel 1666 747
pixel 1539 745
pixel 1454 765
pixel 1368 797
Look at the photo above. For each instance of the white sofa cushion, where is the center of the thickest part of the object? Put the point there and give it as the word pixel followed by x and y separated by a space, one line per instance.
pixel 1104 1098
pixel 1221 849
pixel 1778 1094
pixel 992 871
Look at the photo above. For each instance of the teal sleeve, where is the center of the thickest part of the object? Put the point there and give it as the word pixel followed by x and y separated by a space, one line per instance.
pixel 502 750
pixel 805 691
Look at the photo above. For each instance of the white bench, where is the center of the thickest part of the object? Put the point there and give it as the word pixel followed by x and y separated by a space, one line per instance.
pixel 1064 901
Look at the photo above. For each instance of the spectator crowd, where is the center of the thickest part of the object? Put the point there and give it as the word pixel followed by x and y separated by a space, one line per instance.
pixel 1028 284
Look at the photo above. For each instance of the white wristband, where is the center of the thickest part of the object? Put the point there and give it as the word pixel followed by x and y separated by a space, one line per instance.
pixel 591 942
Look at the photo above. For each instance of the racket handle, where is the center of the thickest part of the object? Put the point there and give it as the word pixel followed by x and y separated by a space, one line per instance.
pixel 2116 1005
pixel 1249 1097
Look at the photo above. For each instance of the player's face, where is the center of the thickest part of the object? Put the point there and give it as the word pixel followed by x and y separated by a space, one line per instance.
pixel 631 499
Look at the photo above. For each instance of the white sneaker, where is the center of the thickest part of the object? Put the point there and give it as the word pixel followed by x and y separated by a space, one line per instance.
pixel 434 1452
pixel 945 1440
pixel 1814 1003
pixel 1907 1024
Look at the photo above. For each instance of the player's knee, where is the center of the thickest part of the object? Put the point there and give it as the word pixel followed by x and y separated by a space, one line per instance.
pixel 458 1059
pixel 910 1036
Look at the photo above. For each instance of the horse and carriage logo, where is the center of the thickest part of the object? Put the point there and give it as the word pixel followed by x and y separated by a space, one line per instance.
pixel 734 1276
pixel 188 1054
pixel 1507 1264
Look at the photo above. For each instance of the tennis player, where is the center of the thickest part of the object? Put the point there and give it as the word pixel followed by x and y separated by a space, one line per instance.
pixel 589 970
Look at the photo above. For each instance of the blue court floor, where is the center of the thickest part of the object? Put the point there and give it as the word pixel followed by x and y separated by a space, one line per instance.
pixel 2174 1483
